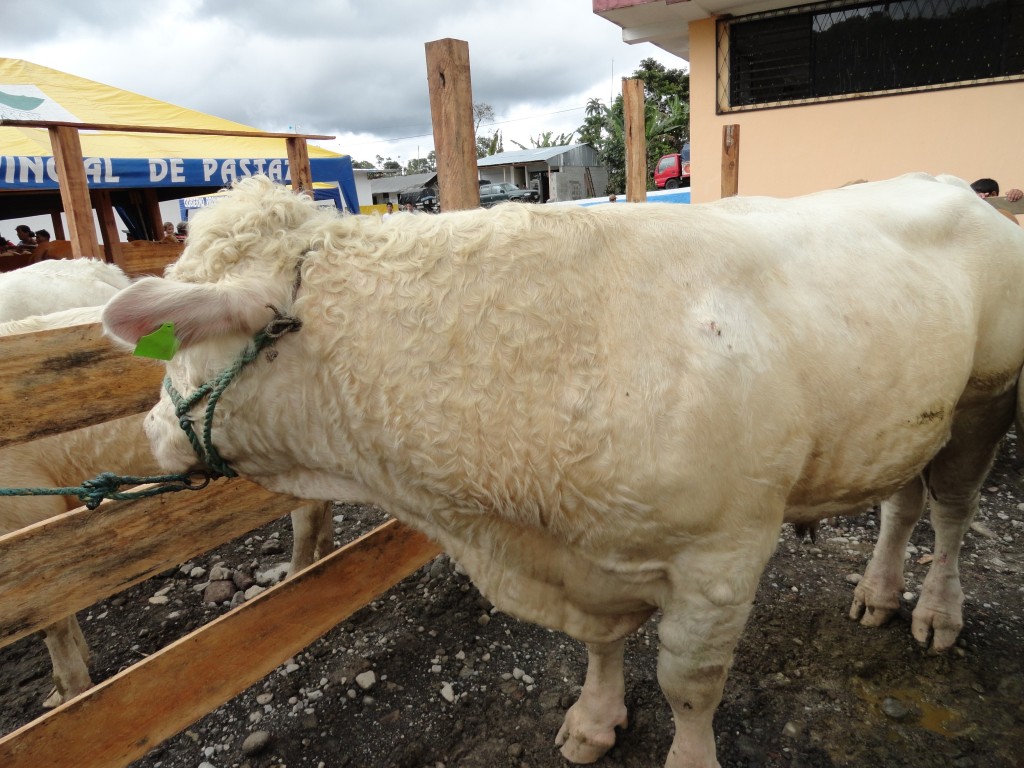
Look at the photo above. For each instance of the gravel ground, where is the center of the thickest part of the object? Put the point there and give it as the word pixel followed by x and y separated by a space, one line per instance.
pixel 430 675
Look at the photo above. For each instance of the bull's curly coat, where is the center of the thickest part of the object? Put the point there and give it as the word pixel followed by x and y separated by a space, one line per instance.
pixel 603 412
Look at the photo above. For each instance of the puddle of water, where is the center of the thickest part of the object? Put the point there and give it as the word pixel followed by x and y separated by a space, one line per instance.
pixel 924 714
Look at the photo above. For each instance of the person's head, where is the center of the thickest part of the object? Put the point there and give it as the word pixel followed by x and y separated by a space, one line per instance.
pixel 391 207
pixel 42 236
pixel 168 228
pixel 25 233
pixel 182 228
pixel 612 198
pixel 986 188
pixel 410 208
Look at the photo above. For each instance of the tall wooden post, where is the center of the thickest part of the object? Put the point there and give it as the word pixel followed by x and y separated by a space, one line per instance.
pixel 730 160
pixel 74 189
pixel 298 162
pixel 109 236
pixel 451 113
pixel 636 139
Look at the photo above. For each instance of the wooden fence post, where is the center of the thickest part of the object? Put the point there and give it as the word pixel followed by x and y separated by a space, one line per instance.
pixel 730 160
pixel 451 114
pixel 298 163
pixel 74 189
pixel 636 139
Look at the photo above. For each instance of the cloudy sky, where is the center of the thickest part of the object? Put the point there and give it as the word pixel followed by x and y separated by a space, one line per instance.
pixel 355 69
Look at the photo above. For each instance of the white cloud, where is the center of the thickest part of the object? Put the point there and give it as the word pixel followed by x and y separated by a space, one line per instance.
pixel 351 68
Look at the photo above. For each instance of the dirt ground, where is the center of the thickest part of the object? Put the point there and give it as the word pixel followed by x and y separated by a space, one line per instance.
pixel 455 684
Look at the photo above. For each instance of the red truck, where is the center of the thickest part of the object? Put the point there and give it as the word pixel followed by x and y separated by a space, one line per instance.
pixel 673 171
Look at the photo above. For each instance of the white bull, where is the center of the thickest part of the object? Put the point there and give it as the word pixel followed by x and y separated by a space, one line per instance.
pixel 603 412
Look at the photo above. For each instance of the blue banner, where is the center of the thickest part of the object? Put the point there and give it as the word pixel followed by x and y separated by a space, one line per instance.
pixel 40 173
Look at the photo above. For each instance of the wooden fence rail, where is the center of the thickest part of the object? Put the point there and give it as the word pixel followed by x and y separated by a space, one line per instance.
pixel 55 381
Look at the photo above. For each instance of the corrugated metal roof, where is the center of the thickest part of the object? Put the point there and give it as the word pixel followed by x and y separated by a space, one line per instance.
pixel 398 183
pixel 537 155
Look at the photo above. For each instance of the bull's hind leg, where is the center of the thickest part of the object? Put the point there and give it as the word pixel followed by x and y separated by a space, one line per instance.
pixel 954 480
pixel 877 596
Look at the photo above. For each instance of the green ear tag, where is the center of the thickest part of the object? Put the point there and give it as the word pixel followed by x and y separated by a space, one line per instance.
pixel 161 344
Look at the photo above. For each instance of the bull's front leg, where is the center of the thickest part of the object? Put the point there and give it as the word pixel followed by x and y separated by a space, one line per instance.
pixel 588 730
pixel 699 631
pixel 693 663
pixel 69 654
pixel 877 596
pixel 312 534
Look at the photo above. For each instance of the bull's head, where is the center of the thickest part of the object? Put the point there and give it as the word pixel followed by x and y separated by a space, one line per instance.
pixel 242 262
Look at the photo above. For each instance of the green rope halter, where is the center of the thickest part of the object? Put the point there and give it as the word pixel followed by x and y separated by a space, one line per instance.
pixel 105 485
pixel 214 388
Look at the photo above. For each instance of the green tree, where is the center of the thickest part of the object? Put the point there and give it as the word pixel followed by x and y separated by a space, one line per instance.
pixel 489 145
pixel 593 129
pixel 666 118
pixel 548 139
pixel 426 164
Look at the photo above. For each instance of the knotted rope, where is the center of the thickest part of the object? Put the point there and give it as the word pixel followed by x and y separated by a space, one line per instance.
pixel 106 485
pixel 214 388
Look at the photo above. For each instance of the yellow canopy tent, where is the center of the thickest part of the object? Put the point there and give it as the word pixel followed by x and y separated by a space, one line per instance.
pixel 171 166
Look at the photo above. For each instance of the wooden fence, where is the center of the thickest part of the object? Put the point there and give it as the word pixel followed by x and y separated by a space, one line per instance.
pixel 54 381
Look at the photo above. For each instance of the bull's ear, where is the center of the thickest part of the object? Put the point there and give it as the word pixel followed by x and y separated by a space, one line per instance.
pixel 198 311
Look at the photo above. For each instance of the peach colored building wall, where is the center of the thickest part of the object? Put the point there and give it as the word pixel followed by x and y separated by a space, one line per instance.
pixel 969 132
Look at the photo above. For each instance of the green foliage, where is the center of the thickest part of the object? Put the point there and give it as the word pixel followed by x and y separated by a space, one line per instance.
pixel 548 139
pixel 667 122
pixel 426 164
pixel 489 145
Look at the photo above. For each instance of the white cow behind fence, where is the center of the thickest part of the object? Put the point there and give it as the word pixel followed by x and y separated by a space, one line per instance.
pixel 604 412
pixel 54 285
pixel 67 459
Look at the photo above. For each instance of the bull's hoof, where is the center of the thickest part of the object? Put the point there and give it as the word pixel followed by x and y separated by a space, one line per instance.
pixel 869 609
pixel 580 749
pixel 55 699
pixel 942 629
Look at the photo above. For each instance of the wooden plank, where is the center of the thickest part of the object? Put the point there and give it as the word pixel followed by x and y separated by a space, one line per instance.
pixel 108 226
pixel 154 222
pixel 12 261
pixel 157 129
pixel 451 114
pixel 730 160
pixel 298 164
pixel 1016 207
pixel 141 257
pixel 635 117
pixel 122 543
pixel 58 226
pixel 124 717
pixel 74 189
pixel 67 378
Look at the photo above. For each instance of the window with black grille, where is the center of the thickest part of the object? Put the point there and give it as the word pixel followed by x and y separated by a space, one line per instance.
pixel 835 51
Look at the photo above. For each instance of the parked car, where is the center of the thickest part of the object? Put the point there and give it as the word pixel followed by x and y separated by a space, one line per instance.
pixel 673 171
pixel 492 194
pixel 422 198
